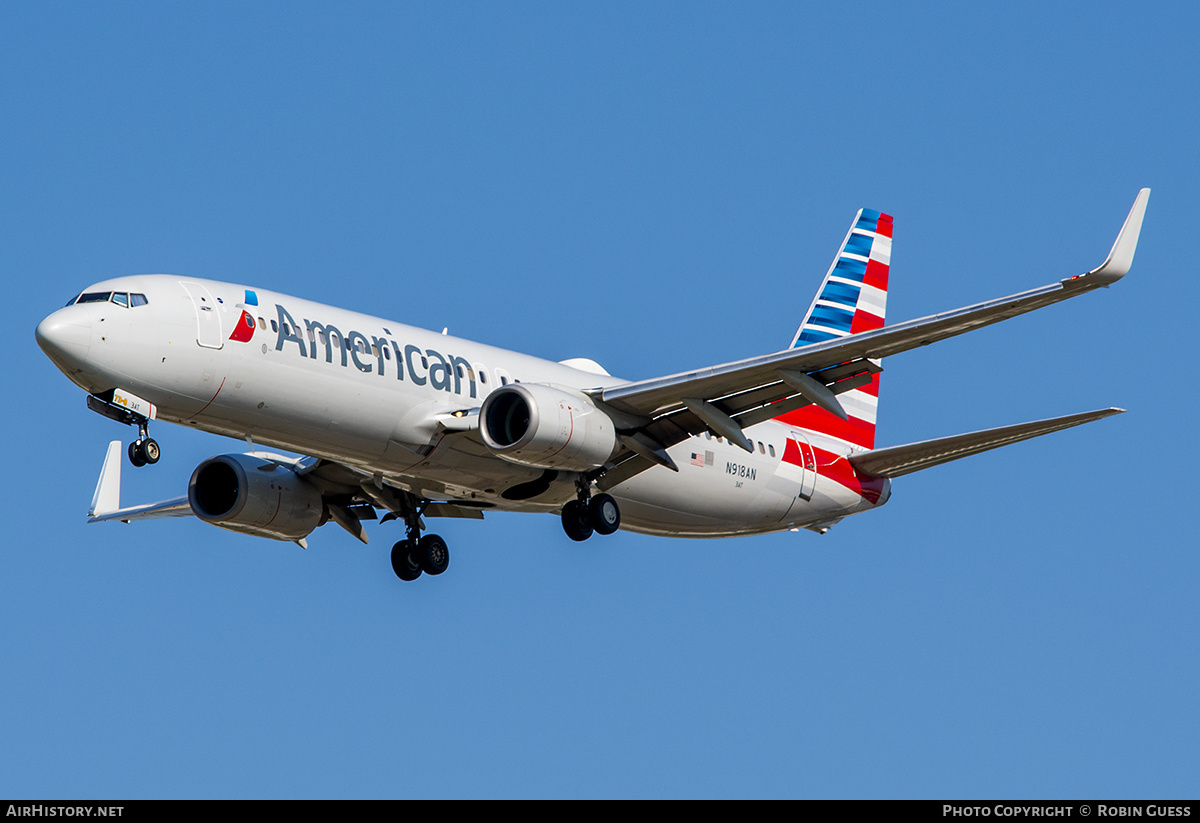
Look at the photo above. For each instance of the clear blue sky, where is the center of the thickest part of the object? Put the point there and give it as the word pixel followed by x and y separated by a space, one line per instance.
pixel 658 187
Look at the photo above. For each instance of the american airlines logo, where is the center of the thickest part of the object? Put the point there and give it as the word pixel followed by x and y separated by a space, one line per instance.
pixel 373 354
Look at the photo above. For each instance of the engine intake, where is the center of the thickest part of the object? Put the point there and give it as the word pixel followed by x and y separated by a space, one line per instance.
pixel 533 424
pixel 251 495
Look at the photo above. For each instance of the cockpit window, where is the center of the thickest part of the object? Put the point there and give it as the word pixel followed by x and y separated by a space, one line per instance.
pixel 121 298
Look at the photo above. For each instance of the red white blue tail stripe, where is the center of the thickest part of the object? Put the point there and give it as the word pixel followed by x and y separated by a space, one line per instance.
pixel 853 296
pixel 852 299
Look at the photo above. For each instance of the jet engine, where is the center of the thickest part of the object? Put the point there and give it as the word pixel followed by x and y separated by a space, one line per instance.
pixel 248 494
pixel 534 424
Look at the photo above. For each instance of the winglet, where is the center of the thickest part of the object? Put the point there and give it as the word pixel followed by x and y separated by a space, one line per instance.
pixel 1120 258
pixel 107 498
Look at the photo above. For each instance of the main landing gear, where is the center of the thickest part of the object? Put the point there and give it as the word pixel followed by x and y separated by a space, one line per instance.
pixel 582 517
pixel 412 556
pixel 416 554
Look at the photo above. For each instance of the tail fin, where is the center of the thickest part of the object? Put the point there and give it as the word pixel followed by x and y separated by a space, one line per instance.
pixel 852 299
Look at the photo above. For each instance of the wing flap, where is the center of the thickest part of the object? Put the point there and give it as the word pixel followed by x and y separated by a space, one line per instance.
pixel 175 507
pixel 440 509
pixel 900 460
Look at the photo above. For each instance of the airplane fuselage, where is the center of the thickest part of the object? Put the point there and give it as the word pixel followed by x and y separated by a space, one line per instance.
pixel 367 392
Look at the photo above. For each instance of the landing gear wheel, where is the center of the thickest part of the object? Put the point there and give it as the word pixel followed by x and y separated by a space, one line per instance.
pixel 604 514
pixel 576 522
pixel 404 561
pixel 145 451
pixel 433 553
pixel 150 450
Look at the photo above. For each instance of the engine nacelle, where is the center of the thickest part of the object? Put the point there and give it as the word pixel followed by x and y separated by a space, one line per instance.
pixel 254 496
pixel 547 427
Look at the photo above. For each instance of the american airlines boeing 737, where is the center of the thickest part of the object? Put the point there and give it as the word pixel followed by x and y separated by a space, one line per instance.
pixel 417 424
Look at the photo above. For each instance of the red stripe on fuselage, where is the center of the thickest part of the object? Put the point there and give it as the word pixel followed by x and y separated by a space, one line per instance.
pixel 858 432
pixel 791 454
pixel 838 469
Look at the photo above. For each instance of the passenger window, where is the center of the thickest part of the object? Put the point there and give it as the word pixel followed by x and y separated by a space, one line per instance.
pixel 262 324
pixel 274 326
pixel 771 449
pixel 761 450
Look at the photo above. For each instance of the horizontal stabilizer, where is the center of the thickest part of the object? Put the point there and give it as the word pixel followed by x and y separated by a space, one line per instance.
pixel 899 460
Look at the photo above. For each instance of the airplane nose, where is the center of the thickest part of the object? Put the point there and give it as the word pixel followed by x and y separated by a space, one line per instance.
pixel 65 339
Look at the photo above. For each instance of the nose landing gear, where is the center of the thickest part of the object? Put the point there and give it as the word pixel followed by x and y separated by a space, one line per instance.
pixel 144 450
pixel 127 408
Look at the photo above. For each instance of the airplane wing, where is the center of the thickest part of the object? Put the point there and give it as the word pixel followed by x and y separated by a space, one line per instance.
pixel 106 502
pixel 900 460
pixel 653 415
pixel 349 495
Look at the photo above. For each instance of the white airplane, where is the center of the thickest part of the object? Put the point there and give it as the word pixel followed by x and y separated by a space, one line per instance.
pixel 420 424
